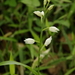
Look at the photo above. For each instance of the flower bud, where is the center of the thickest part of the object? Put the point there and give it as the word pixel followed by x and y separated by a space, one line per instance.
pixel 53 29
pixel 44 53
pixel 48 41
pixel 45 1
pixel 29 41
pixel 38 13
pixel 48 1
pixel 50 7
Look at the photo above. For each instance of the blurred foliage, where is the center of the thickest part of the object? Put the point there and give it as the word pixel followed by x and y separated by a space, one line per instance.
pixel 18 22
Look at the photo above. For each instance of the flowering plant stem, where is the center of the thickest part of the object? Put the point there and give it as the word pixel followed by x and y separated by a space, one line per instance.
pixel 40 46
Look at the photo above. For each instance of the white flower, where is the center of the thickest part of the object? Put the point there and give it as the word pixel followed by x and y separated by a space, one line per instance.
pixel 45 52
pixel 41 56
pixel 38 13
pixel 29 41
pixel 53 29
pixel 48 41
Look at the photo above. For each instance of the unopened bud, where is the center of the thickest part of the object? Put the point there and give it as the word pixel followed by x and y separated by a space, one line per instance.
pixel 53 29
pixel 45 1
pixel 50 7
pixel 48 41
pixel 48 1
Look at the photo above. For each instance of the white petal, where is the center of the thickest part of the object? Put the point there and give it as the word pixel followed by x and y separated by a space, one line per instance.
pixel 50 7
pixel 38 13
pixel 42 55
pixel 42 13
pixel 46 52
pixel 53 29
pixel 48 41
pixel 29 41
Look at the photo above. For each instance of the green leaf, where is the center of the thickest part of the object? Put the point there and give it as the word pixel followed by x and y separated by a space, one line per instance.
pixel 73 51
pixel 70 71
pixel 7 73
pixel 11 3
pixel 33 3
pixel 12 67
pixel 67 39
pixel 72 10
pixel 20 32
pixel 17 63
pixel 8 39
pixel 35 35
pixel 66 1
pixel 13 25
pixel 63 22
pixel 53 62
pixel 31 48
pixel 2 22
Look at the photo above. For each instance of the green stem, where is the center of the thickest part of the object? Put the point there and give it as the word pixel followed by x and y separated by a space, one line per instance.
pixel 40 47
pixel 46 6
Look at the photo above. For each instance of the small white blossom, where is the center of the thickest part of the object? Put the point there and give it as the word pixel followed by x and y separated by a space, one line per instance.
pixel 38 13
pixel 29 41
pixel 53 29
pixel 45 52
pixel 41 56
pixel 48 41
